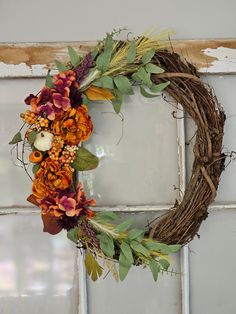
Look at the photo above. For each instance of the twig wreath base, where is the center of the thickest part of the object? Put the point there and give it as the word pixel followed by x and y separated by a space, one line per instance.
pixel 58 123
pixel 200 103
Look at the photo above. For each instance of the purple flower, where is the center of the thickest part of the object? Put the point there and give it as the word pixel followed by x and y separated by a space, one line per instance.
pixel 83 69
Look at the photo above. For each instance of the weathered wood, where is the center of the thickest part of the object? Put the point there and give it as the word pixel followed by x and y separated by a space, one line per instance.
pixel 34 59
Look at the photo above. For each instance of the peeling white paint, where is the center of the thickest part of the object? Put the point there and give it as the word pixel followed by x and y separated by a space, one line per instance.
pixel 225 60
pixel 23 70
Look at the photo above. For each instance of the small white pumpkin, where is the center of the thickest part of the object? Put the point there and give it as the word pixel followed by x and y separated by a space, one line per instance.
pixel 43 141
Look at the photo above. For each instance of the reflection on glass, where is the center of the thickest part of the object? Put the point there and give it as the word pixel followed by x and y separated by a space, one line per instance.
pixel 31 262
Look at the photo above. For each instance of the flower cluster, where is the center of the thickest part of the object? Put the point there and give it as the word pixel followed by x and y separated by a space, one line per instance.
pixel 67 206
pixel 57 122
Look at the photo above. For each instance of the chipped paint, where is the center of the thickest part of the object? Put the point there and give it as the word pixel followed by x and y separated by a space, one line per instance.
pixel 34 59
pixel 22 70
pixel 224 60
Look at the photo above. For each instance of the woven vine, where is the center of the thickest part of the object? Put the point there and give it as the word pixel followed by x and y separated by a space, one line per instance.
pixel 199 102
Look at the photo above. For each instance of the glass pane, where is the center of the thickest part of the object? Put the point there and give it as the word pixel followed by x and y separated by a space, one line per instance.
pixel 15 185
pixel 212 262
pixel 37 271
pixel 138 293
pixel 224 88
pixel 138 157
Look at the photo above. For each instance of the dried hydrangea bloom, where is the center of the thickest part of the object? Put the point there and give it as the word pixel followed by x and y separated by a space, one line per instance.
pixel 74 127
pixel 51 175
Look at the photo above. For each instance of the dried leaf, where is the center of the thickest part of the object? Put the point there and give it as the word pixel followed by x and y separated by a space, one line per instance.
pixel 93 268
pixel 51 224
pixel 98 93
pixel 112 268
pixel 32 199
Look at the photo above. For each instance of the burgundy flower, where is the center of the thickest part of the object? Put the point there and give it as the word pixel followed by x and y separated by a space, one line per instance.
pixel 67 206
pixel 48 110
pixel 61 102
pixel 63 82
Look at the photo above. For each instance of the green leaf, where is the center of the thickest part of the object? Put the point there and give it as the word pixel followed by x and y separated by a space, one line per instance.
pixel 85 99
pixel 147 57
pixel 74 57
pixel 126 250
pixel 124 266
pixel 143 76
pixel 31 137
pixel 85 160
pixel 123 84
pixel 155 268
pixel 104 82
pixel 93 268
pixel 146 94
pixel 152 68
pixel 131 52
pixel 159 87
pixel 60 66
pixel 49 81
pixel 94 53
pixel 117 101
pixel 35 168
pixel 108 42
pixel 164 264
pixel 107 244
pixel 106 215
pixel 16 139
pixel 139 248
pixel 103 60
pixel 174 248
pixel 158 247
pixel 124 226
pixel 72 234
pixel 134 234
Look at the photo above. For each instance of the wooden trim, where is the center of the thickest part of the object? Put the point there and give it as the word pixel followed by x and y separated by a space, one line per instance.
pixel 33 59
pixel 15 210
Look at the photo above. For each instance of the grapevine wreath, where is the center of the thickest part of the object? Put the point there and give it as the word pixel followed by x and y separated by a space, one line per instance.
pixel 57 124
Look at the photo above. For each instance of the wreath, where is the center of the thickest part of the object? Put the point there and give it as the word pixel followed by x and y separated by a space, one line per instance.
pixel 57 124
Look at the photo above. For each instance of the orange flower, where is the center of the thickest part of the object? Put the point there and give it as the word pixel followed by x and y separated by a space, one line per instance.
pixel 51 176
pixel 74 126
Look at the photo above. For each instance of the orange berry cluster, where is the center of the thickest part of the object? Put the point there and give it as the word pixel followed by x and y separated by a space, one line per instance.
pixel 29 117
pixel 68 154
pixel 43 122
pixel 57 146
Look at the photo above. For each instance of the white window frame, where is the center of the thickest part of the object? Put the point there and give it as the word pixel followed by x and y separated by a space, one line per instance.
pixel 210 57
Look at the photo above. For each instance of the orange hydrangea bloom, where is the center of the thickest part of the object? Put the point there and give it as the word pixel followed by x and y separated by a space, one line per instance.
pixel 74 126
pixel 51 176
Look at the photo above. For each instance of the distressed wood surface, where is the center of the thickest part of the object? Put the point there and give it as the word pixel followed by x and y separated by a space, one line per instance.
pixel 34 59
